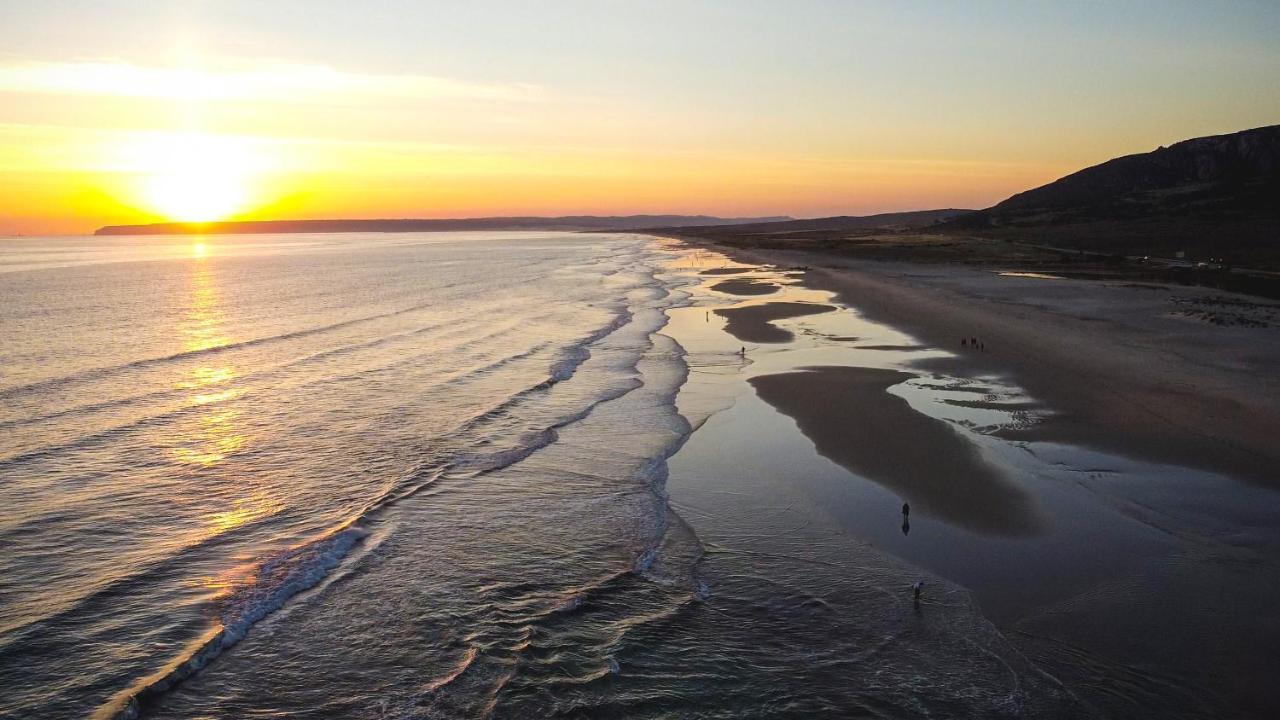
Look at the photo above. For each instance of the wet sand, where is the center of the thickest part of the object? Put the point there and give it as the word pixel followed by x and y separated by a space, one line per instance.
pixel 984 405
pixel 754 323
pixel 1142 577
pixel 1125 369
pixel 745 287
pixel 895 348
pixel 852 420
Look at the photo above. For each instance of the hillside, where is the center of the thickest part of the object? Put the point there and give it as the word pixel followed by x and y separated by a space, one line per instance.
pixel 840 223
pixel 567 223
pixel 1215 196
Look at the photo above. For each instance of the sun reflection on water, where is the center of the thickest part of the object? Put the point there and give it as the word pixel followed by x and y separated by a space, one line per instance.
pixel 202 326
pixel 227 582
pixel 245 510
pixel 214 429
pixel 216 432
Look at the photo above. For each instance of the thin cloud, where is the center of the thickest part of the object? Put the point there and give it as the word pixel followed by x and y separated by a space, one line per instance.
pixel 281 82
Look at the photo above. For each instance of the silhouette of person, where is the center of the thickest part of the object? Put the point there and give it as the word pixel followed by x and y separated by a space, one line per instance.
pixel 918 588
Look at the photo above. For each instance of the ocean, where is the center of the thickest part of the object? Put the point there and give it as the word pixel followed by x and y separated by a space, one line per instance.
pixel 486 474
pixel 193 432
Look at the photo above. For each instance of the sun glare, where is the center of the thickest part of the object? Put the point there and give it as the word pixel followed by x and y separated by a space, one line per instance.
pixel 195 177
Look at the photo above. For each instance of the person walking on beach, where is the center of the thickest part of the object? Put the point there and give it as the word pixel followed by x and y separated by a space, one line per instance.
pixel 917 589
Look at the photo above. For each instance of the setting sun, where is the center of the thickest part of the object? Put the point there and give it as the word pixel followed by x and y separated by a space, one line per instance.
pixel 194 177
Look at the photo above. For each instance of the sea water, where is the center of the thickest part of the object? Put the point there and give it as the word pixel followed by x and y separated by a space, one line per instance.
pixel 193 431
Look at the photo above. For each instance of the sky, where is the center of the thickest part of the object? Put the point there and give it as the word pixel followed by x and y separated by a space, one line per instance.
pixel 142 111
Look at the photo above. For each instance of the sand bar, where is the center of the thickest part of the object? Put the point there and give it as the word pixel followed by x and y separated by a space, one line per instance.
pixel 854 422
pixel 745 286
pixel 754 323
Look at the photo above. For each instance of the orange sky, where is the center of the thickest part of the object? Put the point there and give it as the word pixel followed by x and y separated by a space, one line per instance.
pixel 199 111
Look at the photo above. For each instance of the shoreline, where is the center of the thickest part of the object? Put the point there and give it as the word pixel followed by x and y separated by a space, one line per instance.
pixel 1132 564
pixel 1119 375
pixel 798 505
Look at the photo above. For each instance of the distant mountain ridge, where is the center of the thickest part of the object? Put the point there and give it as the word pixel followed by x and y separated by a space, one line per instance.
pixel 566 223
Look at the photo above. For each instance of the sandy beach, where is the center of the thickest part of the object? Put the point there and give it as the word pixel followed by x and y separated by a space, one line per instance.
pixel 1098 472
pixel 1140 370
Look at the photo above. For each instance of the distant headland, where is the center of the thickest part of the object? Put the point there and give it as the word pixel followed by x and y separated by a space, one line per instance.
pixel 564 223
